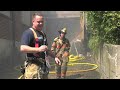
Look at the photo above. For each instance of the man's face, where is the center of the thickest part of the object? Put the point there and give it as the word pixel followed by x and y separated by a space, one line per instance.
pixel 62 35
pixel 38 22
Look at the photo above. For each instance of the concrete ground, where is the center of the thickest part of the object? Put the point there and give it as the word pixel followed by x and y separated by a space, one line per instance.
pixel 84 71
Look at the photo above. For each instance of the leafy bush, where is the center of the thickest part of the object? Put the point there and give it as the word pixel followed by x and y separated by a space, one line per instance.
pixel 103 27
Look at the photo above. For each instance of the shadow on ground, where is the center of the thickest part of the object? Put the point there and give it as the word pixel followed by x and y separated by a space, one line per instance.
pixel 85 75
pixel 80 75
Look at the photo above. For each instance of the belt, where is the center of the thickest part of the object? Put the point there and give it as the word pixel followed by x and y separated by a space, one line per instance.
pixel 35 60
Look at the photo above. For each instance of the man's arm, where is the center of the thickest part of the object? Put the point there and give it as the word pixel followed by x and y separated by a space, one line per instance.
pixel 66 54
pixel 57 60
pixel 66 49
pixel 53 47
pixel 25 42
pixel 51 53
pixel 28 49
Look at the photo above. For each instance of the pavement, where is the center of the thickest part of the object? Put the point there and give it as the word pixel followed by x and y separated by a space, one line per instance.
pixel 82 71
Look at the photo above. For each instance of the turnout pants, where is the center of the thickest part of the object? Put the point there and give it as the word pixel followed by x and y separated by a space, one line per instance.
pixel 36 69
pixel 61 69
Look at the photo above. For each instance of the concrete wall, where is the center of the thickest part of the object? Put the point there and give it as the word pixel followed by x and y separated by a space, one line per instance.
pixel 7 13
pixel 9 55
pixel 11 29
pixel 109 62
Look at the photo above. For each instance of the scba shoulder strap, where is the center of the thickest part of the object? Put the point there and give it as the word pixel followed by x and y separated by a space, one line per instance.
pixel 37 45
pixel 35 35
pixel 36 38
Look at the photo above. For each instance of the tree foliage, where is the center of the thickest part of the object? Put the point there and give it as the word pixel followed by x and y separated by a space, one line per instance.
pixel 103 27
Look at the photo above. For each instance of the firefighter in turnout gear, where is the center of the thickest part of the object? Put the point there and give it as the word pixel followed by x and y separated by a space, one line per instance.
pixel 61 47
pixel 34 44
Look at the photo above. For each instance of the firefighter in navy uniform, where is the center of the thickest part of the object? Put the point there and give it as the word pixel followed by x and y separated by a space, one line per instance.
pixel 34 44
pixel 61 47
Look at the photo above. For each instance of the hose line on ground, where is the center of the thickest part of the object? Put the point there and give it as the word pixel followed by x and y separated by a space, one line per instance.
pixel 72 60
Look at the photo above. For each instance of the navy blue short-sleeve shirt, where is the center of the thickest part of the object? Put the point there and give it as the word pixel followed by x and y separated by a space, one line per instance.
pixel 29 39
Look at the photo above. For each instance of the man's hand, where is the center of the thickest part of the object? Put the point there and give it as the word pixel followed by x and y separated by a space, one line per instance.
pixel 57 60
pixel 43 48
pixel 65 54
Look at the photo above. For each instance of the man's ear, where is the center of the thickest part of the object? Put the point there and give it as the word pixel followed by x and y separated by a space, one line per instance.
pixel 32 21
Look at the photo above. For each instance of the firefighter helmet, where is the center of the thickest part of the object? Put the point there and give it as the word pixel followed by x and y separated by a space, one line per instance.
pixel 64 30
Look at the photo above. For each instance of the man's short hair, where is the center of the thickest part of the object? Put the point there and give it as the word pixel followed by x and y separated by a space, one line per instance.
pixel 36 14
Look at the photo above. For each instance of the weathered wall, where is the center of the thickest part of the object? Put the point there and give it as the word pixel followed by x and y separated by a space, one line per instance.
pixel 108 61
pixel 11 29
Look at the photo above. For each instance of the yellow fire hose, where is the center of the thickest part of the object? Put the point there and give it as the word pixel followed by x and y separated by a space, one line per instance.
pixel 72 64
pixel 72 60
pixel 75 58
